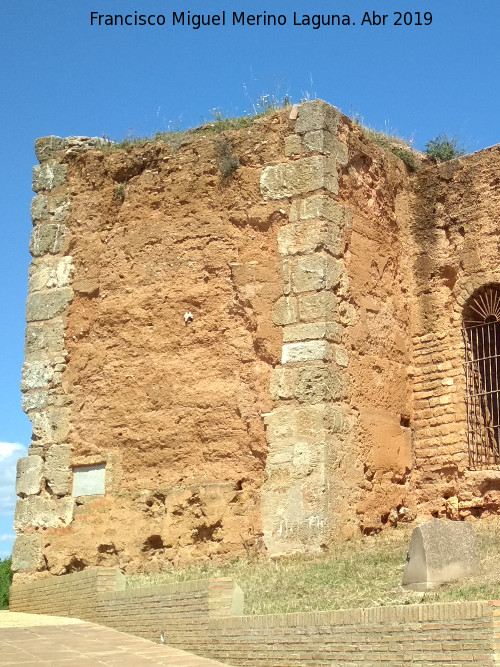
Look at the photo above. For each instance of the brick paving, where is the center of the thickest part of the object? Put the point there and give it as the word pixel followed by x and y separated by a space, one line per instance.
pixel 27 640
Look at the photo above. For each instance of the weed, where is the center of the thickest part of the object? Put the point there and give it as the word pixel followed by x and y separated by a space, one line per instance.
pixel 223 124
pixel 5 582
pixel 265 103
pixel 391 143
pixel 226 160
pixel 444 148
pixel 176 138
pixel 407 156
pixel 119 192
pixel 173 139
pixel 126 144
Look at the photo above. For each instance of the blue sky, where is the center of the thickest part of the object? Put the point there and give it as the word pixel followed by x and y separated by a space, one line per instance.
pixel 59 75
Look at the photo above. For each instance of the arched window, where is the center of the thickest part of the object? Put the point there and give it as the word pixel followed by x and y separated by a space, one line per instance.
pixel 481 332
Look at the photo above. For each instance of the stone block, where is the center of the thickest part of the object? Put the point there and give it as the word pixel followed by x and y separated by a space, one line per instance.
pixel 296 459
pixel 36 375
pixel 318 383
pixel 339 151
pixel 283 383
pixel 287 276
pixel 440 551
pixel 327 143
pixel 317 306
pixel 59 208
pixel 285 310
pixel 49 272
pixel 316 272
pixel 320 206
pixel 294 506
pixel 89 480
pixel 293 145
pixel 46 148
pixel 307 384
pixel 27 553
pixel 308 423
pixel 29 475
pixel 47 239
pixel 314 331
pixel 309 273
pixel 51 425
pixel 57 469
pixel 347 314
pixel 308 237
pixel 317 115
pixel 299 177
pixel 317 140
pixel 36 449
pixel 38 512
pixel 281 424
pixel 311 350
pixel 46 305
pixel 81 143
pixel 86 286
pixel 340 355
pixel 35 400
pixel 39 208
pixel 47 336
pixel 49 176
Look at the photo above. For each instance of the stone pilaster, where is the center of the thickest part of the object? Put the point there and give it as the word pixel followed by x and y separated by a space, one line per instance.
pixel 310 420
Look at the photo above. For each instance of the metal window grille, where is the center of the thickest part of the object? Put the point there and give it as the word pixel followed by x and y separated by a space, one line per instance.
pixel 481 333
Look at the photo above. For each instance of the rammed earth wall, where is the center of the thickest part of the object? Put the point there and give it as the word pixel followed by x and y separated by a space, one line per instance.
pixel 171 409
pixel 204 617
pixel 266 357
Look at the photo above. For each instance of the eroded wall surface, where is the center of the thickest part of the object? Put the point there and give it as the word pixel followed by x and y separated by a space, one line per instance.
pixel 377 188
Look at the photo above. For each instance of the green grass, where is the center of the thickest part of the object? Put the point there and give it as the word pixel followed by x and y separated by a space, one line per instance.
pixel 5 582
pixel 360 573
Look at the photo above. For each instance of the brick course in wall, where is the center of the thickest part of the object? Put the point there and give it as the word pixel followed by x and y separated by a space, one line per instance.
pixel 455 221
pixel 203 617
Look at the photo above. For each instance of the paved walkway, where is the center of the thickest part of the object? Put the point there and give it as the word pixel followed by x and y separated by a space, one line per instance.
pixel 27 640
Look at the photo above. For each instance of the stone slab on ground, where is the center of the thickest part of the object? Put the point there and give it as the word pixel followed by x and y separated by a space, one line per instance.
pixel 440 551
pixel 27 640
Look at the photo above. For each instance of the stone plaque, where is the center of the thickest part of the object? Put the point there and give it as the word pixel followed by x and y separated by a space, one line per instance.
pixel 89 480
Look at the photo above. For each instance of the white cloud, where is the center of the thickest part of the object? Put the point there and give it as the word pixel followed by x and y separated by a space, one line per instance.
pixel 6 544
pixel 8 448
pixel 9 453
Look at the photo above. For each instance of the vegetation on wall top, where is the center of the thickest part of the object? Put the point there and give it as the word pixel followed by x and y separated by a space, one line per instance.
pixel 444 148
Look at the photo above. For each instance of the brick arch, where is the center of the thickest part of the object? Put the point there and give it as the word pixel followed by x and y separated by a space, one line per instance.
pixel 481 337
pixel 466 288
